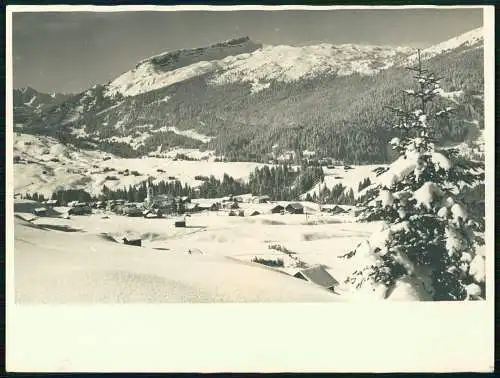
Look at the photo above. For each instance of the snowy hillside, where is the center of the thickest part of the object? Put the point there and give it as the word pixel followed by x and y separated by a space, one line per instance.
pixel 240 98
pixel 84 267
pixel 267 63
pixel 258 67
pixel 44 165
pixel 473 38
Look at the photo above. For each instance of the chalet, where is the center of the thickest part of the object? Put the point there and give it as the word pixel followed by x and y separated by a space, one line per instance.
pixel 208 204
pixel 243 198
pixel 286 156
pixel 335 209
pixel 231 205
pixel 319 276
pixel 277 209
pixel 152 213
pixel 295 208
pixel 261 199
pixel 132 210
pixel 100 205
pixel 40 211
pixel 80 209
pixel 308 154
pixel 192 208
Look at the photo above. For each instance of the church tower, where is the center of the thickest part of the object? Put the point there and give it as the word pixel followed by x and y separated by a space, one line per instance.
pixel 149 195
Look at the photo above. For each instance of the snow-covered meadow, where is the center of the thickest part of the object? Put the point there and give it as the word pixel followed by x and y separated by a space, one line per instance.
pixel 45 165
pixel 82 259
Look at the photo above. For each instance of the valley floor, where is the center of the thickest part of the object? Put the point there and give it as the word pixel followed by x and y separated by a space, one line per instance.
pixel 78 260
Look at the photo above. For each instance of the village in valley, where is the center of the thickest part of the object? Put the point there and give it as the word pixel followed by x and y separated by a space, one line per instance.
pixel 162 186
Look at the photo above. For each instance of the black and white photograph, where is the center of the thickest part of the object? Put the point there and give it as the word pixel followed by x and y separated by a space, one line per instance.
pixel 249 156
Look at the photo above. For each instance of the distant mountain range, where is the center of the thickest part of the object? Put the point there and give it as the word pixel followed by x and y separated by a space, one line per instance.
pixel 242 98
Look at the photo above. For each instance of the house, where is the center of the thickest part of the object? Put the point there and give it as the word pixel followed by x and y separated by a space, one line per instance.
pixel 180 223
pixel 286 156
pixel 40 211
pixel 80 209
pixel 163 202
pixel 231 205
pixel 52 202
pixel 319 276
pixel 308 154
pixel 135 242
pixel 335 209
pixel 253 213
pixel 277 209
pixel 261 199
pixel 243 198
pixel 152 213
pixel 132 210
pixel 192 208
pixel 295 208
pixel 207 204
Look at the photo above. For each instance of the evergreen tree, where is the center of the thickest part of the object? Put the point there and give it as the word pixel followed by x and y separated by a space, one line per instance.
pixel 427 247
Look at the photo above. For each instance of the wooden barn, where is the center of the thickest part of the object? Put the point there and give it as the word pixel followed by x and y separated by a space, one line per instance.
pixel 319 276
pixel 295 208
pixel 277 209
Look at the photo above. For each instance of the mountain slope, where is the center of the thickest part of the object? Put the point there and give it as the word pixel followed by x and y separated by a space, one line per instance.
pixel 241 98
pixel 29 103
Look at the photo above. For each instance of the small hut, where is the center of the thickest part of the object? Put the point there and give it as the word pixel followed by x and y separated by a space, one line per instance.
pixel 180 222
pixel 319 276
pixel 134 242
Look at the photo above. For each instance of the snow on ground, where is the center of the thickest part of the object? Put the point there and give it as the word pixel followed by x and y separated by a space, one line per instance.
pixel 349 178
pixel 290 63
pixel 80 265
pixel 282 63
pixel 469 38
pixel 452 96
pixel 191 153
pixel 193 134
pixel 47 165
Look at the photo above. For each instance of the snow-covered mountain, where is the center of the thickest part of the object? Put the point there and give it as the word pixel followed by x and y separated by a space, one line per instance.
pixel 241 60
pixel 471 39
pixel 241 98
pixel 30 103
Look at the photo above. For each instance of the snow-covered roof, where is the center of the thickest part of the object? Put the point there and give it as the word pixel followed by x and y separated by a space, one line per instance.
pixel 319 276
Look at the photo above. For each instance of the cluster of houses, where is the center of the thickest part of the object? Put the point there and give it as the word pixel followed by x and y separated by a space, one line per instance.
pixel 157 206
pixel 307 156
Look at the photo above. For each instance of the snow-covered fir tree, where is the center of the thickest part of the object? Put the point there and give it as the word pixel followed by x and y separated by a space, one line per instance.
pixel 426 249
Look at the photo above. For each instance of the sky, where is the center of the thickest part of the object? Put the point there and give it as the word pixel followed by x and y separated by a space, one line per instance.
pixel 72 51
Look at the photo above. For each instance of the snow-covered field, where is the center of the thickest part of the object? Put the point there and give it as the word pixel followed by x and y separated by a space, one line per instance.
pixel 60 260
pixel 349 178
pixel 47 165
